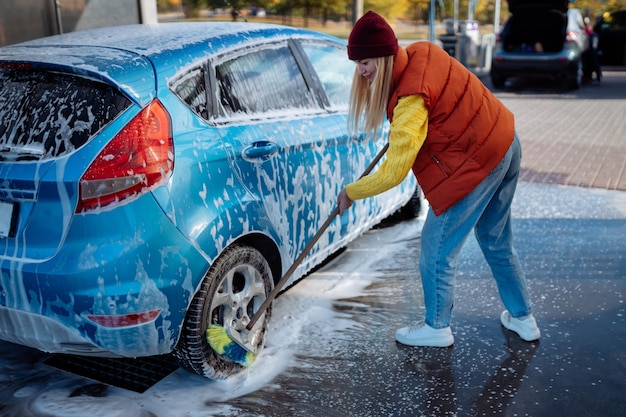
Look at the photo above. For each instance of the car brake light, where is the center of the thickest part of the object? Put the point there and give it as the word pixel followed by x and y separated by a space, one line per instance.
pixel 571 37
pixel 138 158
pixel 16 65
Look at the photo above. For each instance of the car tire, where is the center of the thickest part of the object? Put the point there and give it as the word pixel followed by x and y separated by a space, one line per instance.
pixel 230 294
pixel 497 80
pixel 574 79
pixel 413 208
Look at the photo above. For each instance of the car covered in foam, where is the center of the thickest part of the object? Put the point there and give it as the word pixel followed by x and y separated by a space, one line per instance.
pixel 157 179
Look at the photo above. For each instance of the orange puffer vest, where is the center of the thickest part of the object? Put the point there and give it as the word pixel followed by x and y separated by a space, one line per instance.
pixel 469 129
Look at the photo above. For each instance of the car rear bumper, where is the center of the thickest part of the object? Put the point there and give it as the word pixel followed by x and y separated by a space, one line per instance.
pixel 506 66
pixel 44 334
pixel 124 294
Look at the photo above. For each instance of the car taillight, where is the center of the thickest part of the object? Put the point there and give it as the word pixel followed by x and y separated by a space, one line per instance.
pixel 139 157
pixel 571 37
pixel 16 65
pixel 497 41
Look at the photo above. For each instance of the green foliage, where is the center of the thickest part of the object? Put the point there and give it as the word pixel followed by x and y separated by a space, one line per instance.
pixel 412 10
pixel 593 8
pixel 192 7
pixel 387 8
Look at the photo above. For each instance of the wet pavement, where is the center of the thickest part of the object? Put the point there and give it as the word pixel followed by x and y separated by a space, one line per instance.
pixel 331 350
pixel 575 257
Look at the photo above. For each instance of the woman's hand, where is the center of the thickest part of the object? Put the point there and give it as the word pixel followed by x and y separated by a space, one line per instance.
pixel 343 201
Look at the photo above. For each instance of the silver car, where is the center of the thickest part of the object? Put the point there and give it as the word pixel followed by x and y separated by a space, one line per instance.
pixel 540 38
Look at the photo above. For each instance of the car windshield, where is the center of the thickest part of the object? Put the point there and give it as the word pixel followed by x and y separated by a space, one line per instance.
pixel 47 114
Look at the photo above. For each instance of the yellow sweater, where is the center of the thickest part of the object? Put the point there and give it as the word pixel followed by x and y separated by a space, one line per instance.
pixel 406 137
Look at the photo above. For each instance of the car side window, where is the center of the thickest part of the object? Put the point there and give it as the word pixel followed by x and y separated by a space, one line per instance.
pixel 578 20
pixel 334 70
pixel 262 81
pixel 191 89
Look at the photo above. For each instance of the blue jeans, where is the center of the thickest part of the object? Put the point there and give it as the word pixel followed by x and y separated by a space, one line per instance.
pixel 487 211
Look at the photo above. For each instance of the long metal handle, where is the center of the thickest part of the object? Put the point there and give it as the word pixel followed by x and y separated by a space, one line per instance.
pixel 307 249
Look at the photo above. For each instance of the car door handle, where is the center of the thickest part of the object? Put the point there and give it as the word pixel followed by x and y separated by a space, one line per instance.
pixel 359 138
pixel 262 150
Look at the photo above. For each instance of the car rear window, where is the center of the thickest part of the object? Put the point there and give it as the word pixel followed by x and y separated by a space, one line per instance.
pixel 49 114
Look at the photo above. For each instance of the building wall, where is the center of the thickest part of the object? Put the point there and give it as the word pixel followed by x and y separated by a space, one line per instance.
pixel 22 20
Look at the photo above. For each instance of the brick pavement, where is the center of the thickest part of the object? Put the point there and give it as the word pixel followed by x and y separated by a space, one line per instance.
pixel 571 137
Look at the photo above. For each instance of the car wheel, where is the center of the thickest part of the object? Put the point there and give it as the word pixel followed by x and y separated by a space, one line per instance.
pixel 497 80
pixel 230 294
pixel 413 208
pixel 574 79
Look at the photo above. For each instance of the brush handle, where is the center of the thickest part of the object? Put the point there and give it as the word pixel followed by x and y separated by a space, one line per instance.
pixel 279 285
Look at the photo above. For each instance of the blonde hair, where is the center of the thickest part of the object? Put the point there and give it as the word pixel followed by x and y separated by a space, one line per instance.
pixel 369 99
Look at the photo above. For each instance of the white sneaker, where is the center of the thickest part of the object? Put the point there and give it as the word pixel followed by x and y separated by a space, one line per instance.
pixel 526 329
pixel 421 334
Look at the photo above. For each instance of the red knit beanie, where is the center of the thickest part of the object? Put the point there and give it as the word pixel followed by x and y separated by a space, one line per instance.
pixel 371 37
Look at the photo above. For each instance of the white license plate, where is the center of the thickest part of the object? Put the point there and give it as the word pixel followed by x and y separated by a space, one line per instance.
pixel 6 218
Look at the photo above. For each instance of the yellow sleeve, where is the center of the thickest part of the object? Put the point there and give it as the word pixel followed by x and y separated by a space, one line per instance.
pixel 406 136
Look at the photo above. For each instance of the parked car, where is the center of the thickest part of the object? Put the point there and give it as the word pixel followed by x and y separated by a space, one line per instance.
pixel 540 38
pixel 611 31
pixel 157 179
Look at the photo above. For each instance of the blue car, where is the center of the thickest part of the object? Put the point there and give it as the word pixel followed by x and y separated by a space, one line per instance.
pixel 157 179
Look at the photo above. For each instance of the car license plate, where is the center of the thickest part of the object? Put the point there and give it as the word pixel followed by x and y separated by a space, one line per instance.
pixel 6 218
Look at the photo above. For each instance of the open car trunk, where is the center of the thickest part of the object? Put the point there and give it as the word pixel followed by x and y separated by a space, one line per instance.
pixel 535 26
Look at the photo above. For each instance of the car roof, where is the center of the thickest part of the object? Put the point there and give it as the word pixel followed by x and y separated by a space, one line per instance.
pixel 108 53
pixel 153 39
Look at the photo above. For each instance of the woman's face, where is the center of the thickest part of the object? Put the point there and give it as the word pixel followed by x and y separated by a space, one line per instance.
pixel 366 68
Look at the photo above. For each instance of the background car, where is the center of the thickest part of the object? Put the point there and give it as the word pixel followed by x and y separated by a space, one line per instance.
pixel 611 31
pixel 540 38
pixel 157 179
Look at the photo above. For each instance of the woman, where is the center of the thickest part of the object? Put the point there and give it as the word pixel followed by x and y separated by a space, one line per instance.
pixel 461 144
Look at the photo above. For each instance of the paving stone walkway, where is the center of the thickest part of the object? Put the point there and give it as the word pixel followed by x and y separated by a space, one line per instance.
pixel 571 137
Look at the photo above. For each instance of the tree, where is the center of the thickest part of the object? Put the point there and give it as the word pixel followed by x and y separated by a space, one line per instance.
pixel 192 8
pixel 418 10
pixel 390 9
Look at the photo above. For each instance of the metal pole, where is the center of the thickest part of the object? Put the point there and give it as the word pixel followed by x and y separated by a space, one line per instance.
pixel 496 18
pixel 148 13
pixel 357 10
pixel 431 22
pixel 57 12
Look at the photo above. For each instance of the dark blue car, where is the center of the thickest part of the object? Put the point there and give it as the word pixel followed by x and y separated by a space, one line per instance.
pixel 611 31
pixel 157 179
